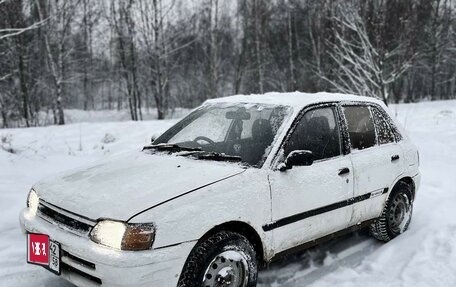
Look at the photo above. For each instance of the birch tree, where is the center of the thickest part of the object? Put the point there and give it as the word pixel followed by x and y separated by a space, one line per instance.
pixel 64 12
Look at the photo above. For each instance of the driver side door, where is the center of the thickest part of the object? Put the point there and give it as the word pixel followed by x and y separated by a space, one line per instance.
pixel 309 202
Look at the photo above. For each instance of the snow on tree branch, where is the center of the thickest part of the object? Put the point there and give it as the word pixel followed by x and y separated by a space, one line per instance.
pixel 12 32
pixel 362 67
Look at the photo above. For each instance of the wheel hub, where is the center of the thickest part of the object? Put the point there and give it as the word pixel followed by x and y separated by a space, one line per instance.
pixel 228 269
pixel 225 276
pixel 400 213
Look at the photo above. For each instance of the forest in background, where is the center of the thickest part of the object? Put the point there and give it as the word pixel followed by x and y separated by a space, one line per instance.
pixel 163 54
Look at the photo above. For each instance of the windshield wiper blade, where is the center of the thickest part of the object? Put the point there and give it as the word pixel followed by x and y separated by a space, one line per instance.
pixel 214 156
pixel 170 147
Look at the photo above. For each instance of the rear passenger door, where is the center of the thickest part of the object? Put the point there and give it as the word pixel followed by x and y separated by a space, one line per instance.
pixel 376 158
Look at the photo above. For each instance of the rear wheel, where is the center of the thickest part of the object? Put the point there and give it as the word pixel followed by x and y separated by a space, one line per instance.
pixel 396 215
pixel 225 259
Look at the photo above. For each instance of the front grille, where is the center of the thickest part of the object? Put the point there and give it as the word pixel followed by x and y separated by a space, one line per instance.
pixel 64 218
pixel 78 260
pixel 70 269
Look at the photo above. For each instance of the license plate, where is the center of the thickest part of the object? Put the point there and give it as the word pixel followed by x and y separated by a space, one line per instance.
pixel 44 252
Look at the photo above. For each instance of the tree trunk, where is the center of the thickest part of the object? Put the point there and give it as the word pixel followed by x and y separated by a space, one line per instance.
pixel 4 113
pixel 85 77
pixel 213 59
pixel 22 69
pixel 159 94
pixel 60 77
pixel 56 68
pixel 4 119
pixel 290 55
pixel 259 60
pixel 61 116
pixel 24 89
pixel 434 51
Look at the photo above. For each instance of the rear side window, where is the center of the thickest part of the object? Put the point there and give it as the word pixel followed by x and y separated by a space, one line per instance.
pixel 384 133
pixel 360 126
pixel 318 132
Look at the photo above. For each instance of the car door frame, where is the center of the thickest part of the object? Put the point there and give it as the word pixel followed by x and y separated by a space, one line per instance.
pixel 278 158
pixel 345 139
pixel 376 199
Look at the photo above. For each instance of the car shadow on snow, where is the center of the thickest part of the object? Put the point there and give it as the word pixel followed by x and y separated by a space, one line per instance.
pixel 311 265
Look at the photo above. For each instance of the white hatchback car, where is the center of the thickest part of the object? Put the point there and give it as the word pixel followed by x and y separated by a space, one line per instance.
pixel 235 184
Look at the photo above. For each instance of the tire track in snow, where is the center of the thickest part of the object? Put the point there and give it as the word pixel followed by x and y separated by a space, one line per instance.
pixel 311 265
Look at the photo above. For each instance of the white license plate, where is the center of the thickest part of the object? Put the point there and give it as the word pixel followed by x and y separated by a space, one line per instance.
pixel 54 260
pixel 44 252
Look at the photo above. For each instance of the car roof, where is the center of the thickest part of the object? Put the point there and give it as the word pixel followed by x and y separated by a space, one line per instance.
pixel 295 99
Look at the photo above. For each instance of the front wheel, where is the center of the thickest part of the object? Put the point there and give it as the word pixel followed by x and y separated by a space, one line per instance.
pixel 396 215
pixel 225 259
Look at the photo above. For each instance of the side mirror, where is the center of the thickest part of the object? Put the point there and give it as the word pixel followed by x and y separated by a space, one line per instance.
pixel 152 139
pixel 297 158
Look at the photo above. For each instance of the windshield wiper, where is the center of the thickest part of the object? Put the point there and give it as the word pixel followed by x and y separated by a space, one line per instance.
pixel 170 147
pixel 206 155
pixel 194 152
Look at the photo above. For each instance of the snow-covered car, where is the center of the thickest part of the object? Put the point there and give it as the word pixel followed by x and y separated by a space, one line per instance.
pixel 237 183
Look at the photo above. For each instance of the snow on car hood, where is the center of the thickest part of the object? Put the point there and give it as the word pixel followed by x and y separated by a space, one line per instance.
pixel 121 187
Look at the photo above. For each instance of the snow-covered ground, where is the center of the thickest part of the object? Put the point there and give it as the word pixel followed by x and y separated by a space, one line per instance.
pixel 423 256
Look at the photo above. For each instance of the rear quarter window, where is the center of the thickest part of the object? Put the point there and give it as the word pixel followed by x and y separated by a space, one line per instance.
pixel 394 129
pixel 384 132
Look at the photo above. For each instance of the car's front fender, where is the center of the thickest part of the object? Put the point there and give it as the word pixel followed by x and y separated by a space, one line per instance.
pixel 245 198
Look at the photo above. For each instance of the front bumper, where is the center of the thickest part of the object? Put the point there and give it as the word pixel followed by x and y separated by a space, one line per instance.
pixel 85 263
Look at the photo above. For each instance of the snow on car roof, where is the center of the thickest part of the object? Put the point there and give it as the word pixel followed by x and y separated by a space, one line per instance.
pixel 295 99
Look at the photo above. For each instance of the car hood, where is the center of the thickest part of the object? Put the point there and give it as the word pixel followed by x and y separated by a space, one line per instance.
pixel 122 187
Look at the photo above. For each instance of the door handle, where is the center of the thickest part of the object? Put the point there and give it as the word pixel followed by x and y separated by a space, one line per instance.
pixel 395 157
pixel 344 170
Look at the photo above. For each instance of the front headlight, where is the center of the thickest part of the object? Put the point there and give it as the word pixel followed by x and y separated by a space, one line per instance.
pixel 32 201
pixel 123 236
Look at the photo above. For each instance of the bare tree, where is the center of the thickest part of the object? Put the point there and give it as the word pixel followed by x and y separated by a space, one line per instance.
pixel 361 68
pixel 64 12
pixel 4 106
pixel 154 40
pixel 290 51
pixel 258 47
pixel 213 47
pixel 57 54
pixel 124 27
pixel 89 18
pixel 160 44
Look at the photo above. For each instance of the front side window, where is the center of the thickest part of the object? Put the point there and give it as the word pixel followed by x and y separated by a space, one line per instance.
pixel 244 131
pixel 318 132
pixel 360 126
pixel 384 133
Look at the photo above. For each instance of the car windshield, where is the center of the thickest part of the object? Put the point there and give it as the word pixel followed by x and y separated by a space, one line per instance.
pixel 231 132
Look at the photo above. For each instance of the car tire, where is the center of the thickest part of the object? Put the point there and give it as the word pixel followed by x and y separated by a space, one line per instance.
pixel 396 215
pixel 223 258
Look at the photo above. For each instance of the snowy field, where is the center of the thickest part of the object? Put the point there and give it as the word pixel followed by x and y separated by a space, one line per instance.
pixel 423 256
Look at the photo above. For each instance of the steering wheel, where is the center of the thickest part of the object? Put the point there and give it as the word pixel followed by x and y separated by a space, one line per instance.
pixel 203 138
